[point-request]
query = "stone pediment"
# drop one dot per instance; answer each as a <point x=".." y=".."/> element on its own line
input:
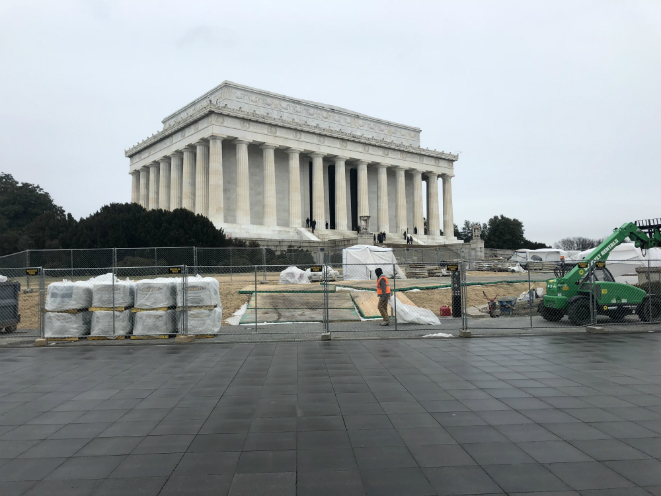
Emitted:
<point x="272" y="105"/>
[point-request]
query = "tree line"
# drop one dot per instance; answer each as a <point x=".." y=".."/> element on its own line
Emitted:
<point x="30" y="219"/>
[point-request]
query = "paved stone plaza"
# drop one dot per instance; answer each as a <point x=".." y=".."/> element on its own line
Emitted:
<point x="563" y="415"/>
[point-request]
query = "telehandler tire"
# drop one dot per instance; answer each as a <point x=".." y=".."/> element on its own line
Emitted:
<point x="578" y="312"/>
<point x="650" y="309"/>
<point x="550" y="314"/>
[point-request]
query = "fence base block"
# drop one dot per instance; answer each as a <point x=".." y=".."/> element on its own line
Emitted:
<point x="184" y="338"/>
<point x="595" y="330"/>
<point x="41" y="342"/>
<point x="465" y="334"/>
<point x="326" y="336"/>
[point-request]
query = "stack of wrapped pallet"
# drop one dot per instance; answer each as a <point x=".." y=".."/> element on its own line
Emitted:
<point x="202" y="298"/>
<point x="67" y="305"/>
<point x="112" y="300"/>
<point x="154" y="307"/>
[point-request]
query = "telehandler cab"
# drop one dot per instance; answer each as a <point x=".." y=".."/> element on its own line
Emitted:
<point x="589" y="289"/>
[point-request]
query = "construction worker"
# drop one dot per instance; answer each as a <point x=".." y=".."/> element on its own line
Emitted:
<point x="383" y="292"/>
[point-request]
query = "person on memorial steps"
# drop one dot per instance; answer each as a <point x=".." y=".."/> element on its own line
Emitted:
<point x="383" y="292"/>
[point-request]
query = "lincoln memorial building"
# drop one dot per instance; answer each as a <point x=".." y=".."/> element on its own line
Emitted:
<point x="259" y="164"/>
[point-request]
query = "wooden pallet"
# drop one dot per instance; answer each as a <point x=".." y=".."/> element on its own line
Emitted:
<point x="155" y="336"/>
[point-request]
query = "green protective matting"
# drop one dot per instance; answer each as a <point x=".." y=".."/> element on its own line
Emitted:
<point x="299" y="301"/>
<point x="287" y="307"/>
<point x="443" y="286"/>
<point x="273" y="288"/>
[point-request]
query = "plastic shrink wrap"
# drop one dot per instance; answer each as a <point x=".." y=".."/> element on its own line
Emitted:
<point x="155" y="293"/>
<point x="294" y="275"/>
<point x="103" y="288"/>
<point x="202" y="321"/>
<point x="154" y="323"/>
<point x="102" y="323"/>
<point x="201" y="292"/>
<point x="67" y="295"/>
<point x="409" y="314"/>
<point x="66" y="325"/>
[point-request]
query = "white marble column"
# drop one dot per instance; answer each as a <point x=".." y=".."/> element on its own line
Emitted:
<point x="295" y="216"/>
<point x="401" y="200"/>
<point x="418" y="214"/>
<point x="135" y="187"/>
<point x="270" y="212"/>
<point x="448" y="215"/>
<point x="216" y="205"/>
<point x="154" y="173"/>
<point x="318" y="198"/>
<point x="433" y="219"/>
<point x="242" y="183"/>
<point x="176" y="179"/>
<point x="202" y="178"/>
<point x="340" y="194"/>
<point x="144" y="187"/>
<point x="363" y="192"/>
<point x="164" y="184"/>
<point x="188" y="180"/>
<point x="382" y="198"/>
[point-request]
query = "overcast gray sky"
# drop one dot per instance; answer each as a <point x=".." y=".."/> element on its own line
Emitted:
<point x="555" y="105"/>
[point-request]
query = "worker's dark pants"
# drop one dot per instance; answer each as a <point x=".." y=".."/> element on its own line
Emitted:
<point x="383" y="307"/>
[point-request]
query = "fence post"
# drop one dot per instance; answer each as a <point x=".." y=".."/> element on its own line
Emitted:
<point x="42" y="302"/>
<point x="71" y="251"/>
<point x="465" y="332"/>
<point x="231" y="266"/>
<point x="194" y="258"/>
<point x="593" y="303"/>
<point x="264" y="262"/>
<point x="155" y="261"/>
<point x="255" y="297"/>
<point x="113" y="301"/>
<point x="649" y="289"/>
<point x="530" y="301"/>
<point x="114" y="258"/>
<point x="325" y="335"/>
<point x="394" y="290"/>
<point x="184" y="313"/>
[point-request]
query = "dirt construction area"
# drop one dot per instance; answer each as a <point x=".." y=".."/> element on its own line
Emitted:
<point x="233" y="293"/>
<point x="433" y="299"/>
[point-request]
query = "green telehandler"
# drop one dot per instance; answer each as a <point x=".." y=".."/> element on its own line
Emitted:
<point x="589" y="289"/>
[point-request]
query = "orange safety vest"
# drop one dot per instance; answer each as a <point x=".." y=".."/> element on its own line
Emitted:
<point x="378" y="286"/>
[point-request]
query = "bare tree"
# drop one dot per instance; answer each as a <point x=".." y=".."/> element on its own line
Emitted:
<point x="577" y="243"/>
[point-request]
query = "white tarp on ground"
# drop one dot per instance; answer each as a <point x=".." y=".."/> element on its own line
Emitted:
<point x="67" y="295"/>
<point x="155" y="293"/>
<point x="409" y="314"/>
<point x="66" y="325"/>
<point x="624" y="259"/>
<point x="202" y="321"/>
<point x="360" y="261"/>
<point x="154" y="323"/>
<point x="102" y="323"/>
<point x="294" y="275"/>
<point x="202" y="292"/>
<point x="103" y="288"/>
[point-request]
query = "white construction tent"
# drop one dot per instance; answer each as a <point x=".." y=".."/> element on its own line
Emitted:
<point x="360" y="261"/>
<point x="624" y="259"/>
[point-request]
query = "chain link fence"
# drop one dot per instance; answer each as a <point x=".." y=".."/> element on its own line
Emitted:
<point x="224" y="257"/>
<point x="257" y="299"/>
